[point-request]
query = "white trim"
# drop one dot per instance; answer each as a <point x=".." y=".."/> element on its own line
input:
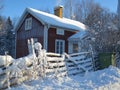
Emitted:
<point x="60" y="31"/>
<point x="59" y="40"/>
<point x="45" y="45"/>
<point x="70" y="47"/>
<point x="28" y="23"/>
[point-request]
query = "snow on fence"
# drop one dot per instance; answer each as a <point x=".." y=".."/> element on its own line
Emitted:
<point x="61" y="65"/>
<point x="15" y="71"/>
<point x="56" y="65"/>
<point x="79" y="63"/>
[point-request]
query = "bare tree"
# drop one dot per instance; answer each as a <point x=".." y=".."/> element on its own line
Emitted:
<point x="69" y="6"/>
<point x="104" y="25"/>
<point x="78" y="9"/>
<point x="83" y="8"/>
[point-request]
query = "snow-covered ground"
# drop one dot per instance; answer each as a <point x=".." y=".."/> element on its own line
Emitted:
<point x="107" y="79"/>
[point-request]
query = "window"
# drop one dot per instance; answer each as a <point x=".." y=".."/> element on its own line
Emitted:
<point x="28" y="24"/>
<point x="60" y="31"/>
<point x="75" y="47"/>
<point x="59" y="46"/>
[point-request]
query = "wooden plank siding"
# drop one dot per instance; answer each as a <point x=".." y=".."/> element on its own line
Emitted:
<point x="52" y="36"/>
<point x="23" y="35"/>
<point x="37" y="31"/>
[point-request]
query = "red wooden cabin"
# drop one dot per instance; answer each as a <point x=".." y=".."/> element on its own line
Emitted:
<point x="52" y="31"/>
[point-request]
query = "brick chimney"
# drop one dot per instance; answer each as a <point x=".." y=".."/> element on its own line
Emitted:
<point x="58" y="11"/>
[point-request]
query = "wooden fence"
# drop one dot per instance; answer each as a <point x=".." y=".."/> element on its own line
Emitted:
<point x="79" y="63"/>
<point x="53" y="65"/>
<point x="73" y="64"/>
<point x="43" y="65"/>
<point x="56" y="65"/>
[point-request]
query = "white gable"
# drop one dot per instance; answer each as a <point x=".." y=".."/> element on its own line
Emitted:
<point x="53" y="20"/>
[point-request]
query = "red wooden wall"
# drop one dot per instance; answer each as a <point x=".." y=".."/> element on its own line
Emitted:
<point x="23" y="35"/>
<point x="53" y="36"/>
<point x="37" y="31"/>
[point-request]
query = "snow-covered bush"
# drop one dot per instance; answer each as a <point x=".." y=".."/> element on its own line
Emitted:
<point x="5" y="60"/>
<point x="26" y="61"/>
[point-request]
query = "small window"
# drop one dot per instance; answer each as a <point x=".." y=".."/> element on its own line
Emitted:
<point x="60" y="31"/>
<point x="75" y="48"/>
<point x="28" y="24"/>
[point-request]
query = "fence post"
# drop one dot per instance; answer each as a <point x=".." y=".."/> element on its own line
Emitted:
<point x="92" y="55"/>
<point x="32" y="46"/>
<point x="66" y="56"/>
<point x="7" y="71"/>
<point x="44" y="63"/>
<point x="6" y="53"/>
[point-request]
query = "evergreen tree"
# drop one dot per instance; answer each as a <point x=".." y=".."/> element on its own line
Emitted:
<point x="9" y="37"/>
<point x="2" y="35"/>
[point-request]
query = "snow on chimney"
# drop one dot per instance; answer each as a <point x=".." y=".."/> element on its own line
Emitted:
<point x="58" y="11"/>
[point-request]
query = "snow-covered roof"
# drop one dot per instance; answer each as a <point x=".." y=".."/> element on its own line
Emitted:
<point x="78" y="36"/>
<point x="52" y="20"/>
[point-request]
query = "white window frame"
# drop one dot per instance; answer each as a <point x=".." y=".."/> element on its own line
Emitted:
<point x="28" y="24"/>
<point x="60" y="31"/>
<point x="63" y="46"/>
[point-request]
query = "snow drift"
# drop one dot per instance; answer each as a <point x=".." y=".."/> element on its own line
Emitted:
<point x="107" y="79"/>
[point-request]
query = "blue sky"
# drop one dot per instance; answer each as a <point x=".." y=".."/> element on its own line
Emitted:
<point x="14" y="8"/>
